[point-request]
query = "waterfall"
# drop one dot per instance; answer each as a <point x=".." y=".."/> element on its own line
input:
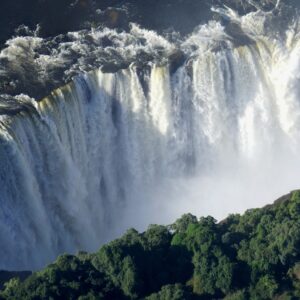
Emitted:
<point x="145" y="144"/>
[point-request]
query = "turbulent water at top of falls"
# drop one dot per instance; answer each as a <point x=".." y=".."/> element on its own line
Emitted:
<point x="108" y="151"/>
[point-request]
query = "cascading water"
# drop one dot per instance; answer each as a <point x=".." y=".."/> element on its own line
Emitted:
<point x="146" y="144"/>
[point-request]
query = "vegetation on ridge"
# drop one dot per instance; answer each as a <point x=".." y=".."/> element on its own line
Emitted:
<point x="253" y="256"/>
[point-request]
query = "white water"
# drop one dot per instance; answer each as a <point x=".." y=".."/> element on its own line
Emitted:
<point x="111" y="151"/>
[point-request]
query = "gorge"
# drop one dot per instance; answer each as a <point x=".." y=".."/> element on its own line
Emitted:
<point x="145" y="127"/>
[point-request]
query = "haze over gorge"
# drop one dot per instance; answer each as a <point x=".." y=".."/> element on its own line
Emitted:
<point x="143" y="126"/>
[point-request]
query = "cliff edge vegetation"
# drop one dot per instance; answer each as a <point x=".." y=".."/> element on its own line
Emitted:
<point x="251" y="256"/>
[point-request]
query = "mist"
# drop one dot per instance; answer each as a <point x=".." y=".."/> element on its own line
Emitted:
<point x="220" y="192"/>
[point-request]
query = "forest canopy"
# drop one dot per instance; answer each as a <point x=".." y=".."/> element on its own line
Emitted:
<point x="253" y="256"/>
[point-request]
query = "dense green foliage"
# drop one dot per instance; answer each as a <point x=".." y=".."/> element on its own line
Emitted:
<point x="253" y="256"/>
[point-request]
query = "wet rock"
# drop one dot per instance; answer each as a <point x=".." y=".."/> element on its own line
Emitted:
<point x="176" y="60"/>
<point x="112" y="67"/>
<point x="239" y="37"/>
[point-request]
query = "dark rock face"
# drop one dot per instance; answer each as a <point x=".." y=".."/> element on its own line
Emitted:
<point x="113" y="67"/>
<point x="176" y="59"/>
<point x="239" y="38"/>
